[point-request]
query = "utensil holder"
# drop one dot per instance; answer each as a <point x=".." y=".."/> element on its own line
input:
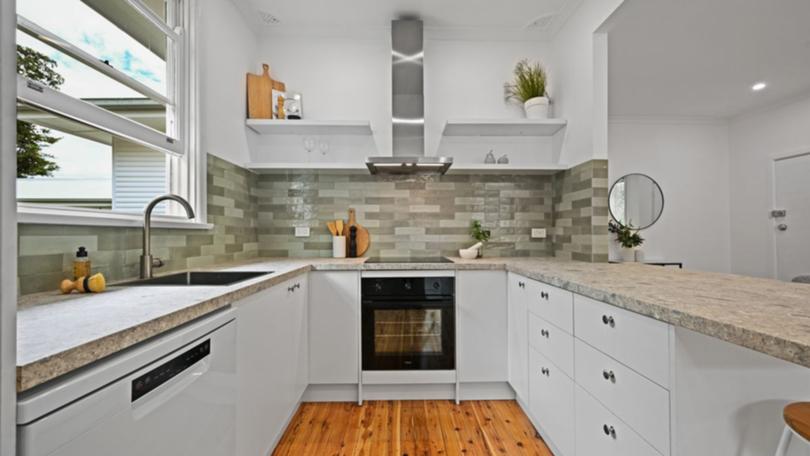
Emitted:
<point x="338" y="246"/>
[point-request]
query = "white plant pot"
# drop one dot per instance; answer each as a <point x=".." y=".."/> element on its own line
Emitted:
<point x="639" y="256"/>
<point x="536" y="108"/>
<point x="628" y="255"/>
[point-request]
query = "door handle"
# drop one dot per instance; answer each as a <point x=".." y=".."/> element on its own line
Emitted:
<point x="782" y="227"/>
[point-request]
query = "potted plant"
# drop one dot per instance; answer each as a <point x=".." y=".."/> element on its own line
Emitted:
<point x="628" y="238"/>
<point x="479" y="234"/>
<point x="529" y="88"/>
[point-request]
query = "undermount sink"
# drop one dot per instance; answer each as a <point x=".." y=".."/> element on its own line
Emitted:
<point x="200" y="278"/>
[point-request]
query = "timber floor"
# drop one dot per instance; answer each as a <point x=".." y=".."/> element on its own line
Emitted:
<point x="412" y="428"/>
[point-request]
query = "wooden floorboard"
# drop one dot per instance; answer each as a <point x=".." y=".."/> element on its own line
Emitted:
<point x="410" y="428"/>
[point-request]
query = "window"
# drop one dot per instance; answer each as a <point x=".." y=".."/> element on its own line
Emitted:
<point x="105" y="108"/>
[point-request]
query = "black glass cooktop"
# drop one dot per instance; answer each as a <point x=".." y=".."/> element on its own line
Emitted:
<point x="408" y="260"/>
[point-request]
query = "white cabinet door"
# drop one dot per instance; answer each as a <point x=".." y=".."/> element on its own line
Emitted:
<point x="639" y="342"/>
<point x="267" y="365"/>
<point x="551" y="395"/>
<point x="301" y="336"/>
<point x="637" y="401"/>
<point x="552" y="304"/>
<point x="334" y="327"/>
<point x="518" y="337"/>
<point x="482" y="343"/>
<point x="599" y="432"/>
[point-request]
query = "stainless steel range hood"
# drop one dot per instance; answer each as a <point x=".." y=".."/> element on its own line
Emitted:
<point x="408" y="106"/>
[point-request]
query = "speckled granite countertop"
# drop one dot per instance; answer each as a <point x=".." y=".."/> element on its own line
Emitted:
<point x="58" y="335"/>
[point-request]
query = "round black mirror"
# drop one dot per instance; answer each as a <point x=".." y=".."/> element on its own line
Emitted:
<point x="636" y="201"/>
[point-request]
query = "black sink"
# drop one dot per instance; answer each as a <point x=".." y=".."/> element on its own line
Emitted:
<point x="201" y="278"/>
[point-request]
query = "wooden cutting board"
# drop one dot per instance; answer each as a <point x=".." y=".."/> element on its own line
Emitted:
<point x="260" y="94"/>
<point x="363" y="240"/>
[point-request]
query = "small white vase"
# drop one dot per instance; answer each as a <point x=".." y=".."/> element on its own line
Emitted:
<point x="639" y="256"/>
<point x="338" y="246"/>
<point x="628" y="255"/>
<point x="536" y="108"/>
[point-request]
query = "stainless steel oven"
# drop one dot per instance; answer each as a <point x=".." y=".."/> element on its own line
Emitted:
<point x="408" y="323"/>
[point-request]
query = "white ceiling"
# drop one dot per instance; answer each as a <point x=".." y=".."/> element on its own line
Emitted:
<point x="448" y="14"/>
<point x="701" y="57"/>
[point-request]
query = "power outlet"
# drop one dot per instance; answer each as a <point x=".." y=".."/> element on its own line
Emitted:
<point x="539" y="233"/>
<point x="301" y="231"/>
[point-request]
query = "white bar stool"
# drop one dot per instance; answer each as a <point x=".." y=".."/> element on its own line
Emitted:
<point x="797" y="421"/>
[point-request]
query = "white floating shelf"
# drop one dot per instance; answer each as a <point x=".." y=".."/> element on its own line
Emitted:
<point x="309" y="127"/>
<point x="359" y="166"/>
<point x="485" y="168"/>
<point x="275" y="168"/>
<point x="503" y="127"/>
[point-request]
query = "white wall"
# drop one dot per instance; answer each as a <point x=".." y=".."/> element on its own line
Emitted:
<point x="690" y="161"/>
<point x="349" y="77"/>
<point x="227" y="51"/>
<point x="755" y="140"/>
<point x="579" y="88"/>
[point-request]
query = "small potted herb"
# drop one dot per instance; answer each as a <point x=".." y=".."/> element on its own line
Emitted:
<point x="628" y="238"/>
<point x="481" y="235"/>
<point x="529" y="88"/>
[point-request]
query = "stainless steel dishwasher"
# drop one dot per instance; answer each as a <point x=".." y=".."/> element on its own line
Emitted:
<point x="173" y="395"/>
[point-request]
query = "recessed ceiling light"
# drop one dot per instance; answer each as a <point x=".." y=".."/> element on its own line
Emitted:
<point x="758" y="86"/>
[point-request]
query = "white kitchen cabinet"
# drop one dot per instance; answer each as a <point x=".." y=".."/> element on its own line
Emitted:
<point x="551" y="397"/>
<point x="552" y="304"/>
<point x="634" y="399"/>
<point x="518" y="336"/>
<point x="599" y="432"/>
<point x="271" y="358"/>
<point x="334" y="327"/>
<point x="482" y="323"/>
<point x="639" y="342"/>
<point x="553" y="343"/>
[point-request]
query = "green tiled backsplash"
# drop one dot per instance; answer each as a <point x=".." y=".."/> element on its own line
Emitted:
<point x="405" y="215"/>
<point x="46" y="252"/>
<point x="256" y="215"/>
<point x="581" y="212"/>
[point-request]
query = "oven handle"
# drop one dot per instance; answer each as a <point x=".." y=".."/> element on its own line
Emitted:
<point x="407" y="304"/>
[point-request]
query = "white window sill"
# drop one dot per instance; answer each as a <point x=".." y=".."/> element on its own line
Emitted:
<point x="55" y="215"/>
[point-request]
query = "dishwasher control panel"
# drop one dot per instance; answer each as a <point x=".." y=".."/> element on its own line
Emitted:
<point x="166" y="371"/>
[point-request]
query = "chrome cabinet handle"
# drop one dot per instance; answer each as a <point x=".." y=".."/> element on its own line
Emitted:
<point x="608" y="320"/>
<point x="545" y="371"/>
<point x="544" y="333"/>
<point x="294" y="287"/>
<point x="544" y="295"/>
<point x="609" y="375"/>
<point x="522" y="284"/>
<point x="609" y="431"/>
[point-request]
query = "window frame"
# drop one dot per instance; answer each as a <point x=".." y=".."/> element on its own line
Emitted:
<point x="187" y="165"/>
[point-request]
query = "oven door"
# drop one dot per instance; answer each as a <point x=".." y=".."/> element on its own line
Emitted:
<point x="409" y="334"/>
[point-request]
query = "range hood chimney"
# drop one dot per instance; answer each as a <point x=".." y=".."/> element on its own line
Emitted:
<point x="408" y="106"/>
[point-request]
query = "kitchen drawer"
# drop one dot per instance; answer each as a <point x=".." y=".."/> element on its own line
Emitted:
<point x="601" y="433"/>
<point x="553" y="343"/>
<point x="551" y="399"/>
<point x="639" y="342"/>
<point x="551" y="303"/>
<point x="636" y="400"/>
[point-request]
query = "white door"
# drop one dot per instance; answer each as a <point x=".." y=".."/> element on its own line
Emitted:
<point x="792" y="194"/>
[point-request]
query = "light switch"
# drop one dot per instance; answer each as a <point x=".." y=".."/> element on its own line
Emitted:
<point x="539" y="233"/>
<point x="301" y="231"/>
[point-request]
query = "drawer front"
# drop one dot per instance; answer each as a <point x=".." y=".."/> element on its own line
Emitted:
<point x="639" y="342"/>
<point x="600" y="432"/>
<point x="551" y="399"/>
<point x="634" y="399"/>
<point x="553" y="343"/>
<point x="551" y="303"/>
